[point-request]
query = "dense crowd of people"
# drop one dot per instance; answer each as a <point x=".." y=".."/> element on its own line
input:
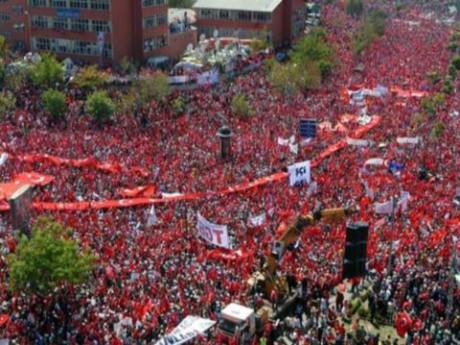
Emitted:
<point x="148" y="278"/>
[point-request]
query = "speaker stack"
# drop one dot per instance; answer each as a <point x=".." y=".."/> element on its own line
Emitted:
<point x="354" y="260"/>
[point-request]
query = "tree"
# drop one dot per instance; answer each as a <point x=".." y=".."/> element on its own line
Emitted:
<point x="240" y="106"/>
<point x="4" y="50"/>
<point x="54" y="103"/>
<point x="448" y="85"/>
<point x="47" y="73"/>
<point x="438" y="130"/>
<point x="127" y="67"/>
<point x="90" y="78"/>
<point x="155" y="87"/>
<point x="456" y="62"/>
<point x="178" y="105"/>
<point x="372" y="28"/>
<point x="283" y="79"/>
<point x="49" y="259"/>
<point x="181" y="3"/>
<point x="7" y="103"/>
<point x="100" y="106"/>
<point x="354" y="8"/>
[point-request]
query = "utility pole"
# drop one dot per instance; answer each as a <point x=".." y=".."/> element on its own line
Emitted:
<point x="393" y="215"/>
<point x="453" y="263"/>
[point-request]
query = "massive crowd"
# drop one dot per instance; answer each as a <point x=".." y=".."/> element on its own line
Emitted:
<point x="148" y="278"/>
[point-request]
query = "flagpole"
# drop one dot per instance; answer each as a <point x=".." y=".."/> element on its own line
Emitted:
<point x="390" y="264"/>
<point x="453" y="260"/>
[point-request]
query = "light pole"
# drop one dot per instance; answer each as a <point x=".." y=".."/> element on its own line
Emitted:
<point x="225" y="134"/>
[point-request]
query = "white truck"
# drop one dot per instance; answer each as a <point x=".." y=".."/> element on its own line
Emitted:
<point x="237" y="322"/>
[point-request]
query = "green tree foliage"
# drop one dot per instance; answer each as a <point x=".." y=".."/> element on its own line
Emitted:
<point x="49" y="259"/>
<point x="354" y="8"/>
<point x="54" y="103"/>
<point x="127" y="67"/>
<point x="178" y="105"/>
<point x="181" y="3"/>
<point x="100" y="106"/>
<point x="314" y="48"/>
<point x="288" y="79"/>
<point x="438" y="130"/>
<point x="90" y="78"/>
<point x="448" y="85"/>
<point x="372" y="28"/>
<point x="7" y="103"/>
<point x="155" y="87"/>
<point x="456" y="62"/>
<point x="240" y="106"/>
<point x="4" y="50"/>
<point x="47" y="73"/>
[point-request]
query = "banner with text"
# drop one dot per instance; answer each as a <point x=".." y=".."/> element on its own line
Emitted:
<point x="213" y="233"/>
<point x="299" y="173"/>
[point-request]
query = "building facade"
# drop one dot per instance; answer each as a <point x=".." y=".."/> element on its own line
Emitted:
<point x="14" y="24"/>
<point x="89" y="30"/>
<point x="280" y="21"/>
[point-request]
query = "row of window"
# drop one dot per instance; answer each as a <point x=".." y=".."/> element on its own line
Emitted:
<point x="240" y="33"/>
<point x="80" y="25"/>
<point x="247" y="16"/>
<point x="4" y="17"/>
<point x="155" y="20"/>
<point x="147" y="3"/>
<point x="154" y="43"/>
<point x="64" y="46"/>
<point x="91" y="4"/>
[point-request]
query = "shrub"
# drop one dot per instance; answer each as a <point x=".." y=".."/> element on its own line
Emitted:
<point x="456" y="62"/>
<point x="240" y="106"/>
<point x="54" y="103"/>
<point x="7" y="103"/>
<point x="47" y="73"/>
<point x="437" y="130"/>
<point x="100" y="106"/>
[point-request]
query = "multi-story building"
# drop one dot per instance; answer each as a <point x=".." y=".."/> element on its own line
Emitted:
<point x="281" y="21"/>
<point x="14" y="24"/>
<point x="91" y="30"/>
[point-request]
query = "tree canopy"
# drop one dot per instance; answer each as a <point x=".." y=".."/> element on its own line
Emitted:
<point x="100" y="106"/>
<point x="47" y="73"/>
<point x="49" y="259"/>
<point x="54" y="103"/>
<point x="89" y="78"/>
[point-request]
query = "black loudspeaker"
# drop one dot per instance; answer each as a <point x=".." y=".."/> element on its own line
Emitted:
<point x="355" y="251"/>
<point x="357" y="232"/>
<point x="354" y="260"/>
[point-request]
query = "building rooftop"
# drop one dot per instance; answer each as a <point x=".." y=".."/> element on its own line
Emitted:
<point x="239" y="5"/>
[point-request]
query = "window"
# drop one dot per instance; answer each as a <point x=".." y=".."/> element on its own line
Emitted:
<point x="154" y="43"/>
<point x="262" y="17"/>
<point x="244" y="15"/>
<point x="70" y="46"/>
<point x="100" y="4"/>
<point x="147" y="3"/>
<point x="17" y="9"/>
<point x="224" y="14"/>
<point x="60" y="23"/>
<point x="38" y="3"/>
<point x="100" y="26"/>
<point x="4" y="17"/>
<point x="154" y="21"/>
<point x="58" y="3"/>
<point x="40" y="22"/>
<point x="81" y="25"/>
<point x="78" y="3"/>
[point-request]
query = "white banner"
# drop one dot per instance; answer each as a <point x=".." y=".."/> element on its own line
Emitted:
<point x="212" y="233"/>
<point x="357" y="142"/>
<point x="3" y="158"/>
<point x="188" y="329"/>
<point x="286" y="142"/>
<point x="404" y="201"/>
<point x="375" y="161"/>
<point x="179" y="79"/>
<point x="152" y="216"/>
<point x="408" y="140"/>
<point x="383" y="208"/>
<point x="258" y="220"/>
<point x="299" y="173"/>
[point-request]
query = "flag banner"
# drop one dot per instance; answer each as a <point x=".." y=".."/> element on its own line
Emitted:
<point x="152" y="216"/>
<point x="375" y="161"/>
<point x="3" y="158"/>
<point x="408" y="140"/>
<point x="294" y="148"/>
<point x="357" y="142"/>
<point x="307" y="128"/>
<point x="299" y="173"/>
<point x="404" y="201"/>
<point x="188" y="329"/>
<point x="212" y="233"/>
<point x="383" y="208"/>
<point x="258" y="220"/>
<point x="286" y="142"/>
